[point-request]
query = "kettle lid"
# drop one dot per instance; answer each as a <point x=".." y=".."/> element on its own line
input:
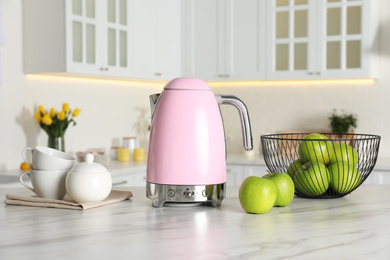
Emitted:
<point x="185" y="83"/>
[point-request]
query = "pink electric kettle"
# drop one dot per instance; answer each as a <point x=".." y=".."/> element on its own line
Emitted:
<point x="187" y="153"/>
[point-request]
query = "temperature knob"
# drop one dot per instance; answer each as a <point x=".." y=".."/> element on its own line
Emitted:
<point x="188" y="193"/>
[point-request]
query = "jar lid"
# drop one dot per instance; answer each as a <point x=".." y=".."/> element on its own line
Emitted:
<point x="89" y="166"/>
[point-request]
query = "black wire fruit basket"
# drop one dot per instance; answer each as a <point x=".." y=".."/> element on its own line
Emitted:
<point x="322" y="165"/>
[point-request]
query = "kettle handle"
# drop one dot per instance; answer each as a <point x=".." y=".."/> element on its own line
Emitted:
<point x="244" y="117"/>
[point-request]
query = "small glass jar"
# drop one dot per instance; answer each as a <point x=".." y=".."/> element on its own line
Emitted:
<point x="114" y="152"/>
<point x="129" y="143"/>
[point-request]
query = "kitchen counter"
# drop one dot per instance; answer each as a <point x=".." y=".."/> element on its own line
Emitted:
<point x="353" y="226"/>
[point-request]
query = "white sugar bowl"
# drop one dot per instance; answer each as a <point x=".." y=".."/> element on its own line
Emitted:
<point x="88" y="181"/>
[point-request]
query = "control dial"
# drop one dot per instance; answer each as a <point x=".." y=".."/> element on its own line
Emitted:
<point x="188" y="193"/>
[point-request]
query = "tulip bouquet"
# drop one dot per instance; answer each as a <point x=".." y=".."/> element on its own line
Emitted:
<point x="55" y="124"/>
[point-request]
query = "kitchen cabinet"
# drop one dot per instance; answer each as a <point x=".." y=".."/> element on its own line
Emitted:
<point x="133" y="179"/>
<point x="223" y="39"/>
<point x="234" y="174"/>
<point x="321" y="39"/>
<point x="378" y="177"/>
<point x="80" y="37"/>
<point x="218" y="40"/>
<point x="237" y="173"/>
<point x="156" y="45"/>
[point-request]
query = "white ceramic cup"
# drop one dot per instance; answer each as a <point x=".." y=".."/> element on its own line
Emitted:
<point x="47" y="184"/>
<point x="48" y="159"/>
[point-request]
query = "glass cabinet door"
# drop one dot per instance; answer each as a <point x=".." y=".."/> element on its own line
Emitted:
<point x="316" y="39"/>
<point x="291" y="39"/>
<point x="82" y="31"/>
<point x="97" y="37"/>
<point x="342" y="34"/>
<point x="116" y="36"/>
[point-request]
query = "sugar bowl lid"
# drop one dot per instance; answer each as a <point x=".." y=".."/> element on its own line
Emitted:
<point x="89" y="166"/>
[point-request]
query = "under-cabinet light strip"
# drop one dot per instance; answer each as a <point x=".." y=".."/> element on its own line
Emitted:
<point x="366" y="81"/>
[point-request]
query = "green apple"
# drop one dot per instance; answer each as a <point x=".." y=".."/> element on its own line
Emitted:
<point x="344" y="177"/>
<point x="319" y="151"/>
<point x="294" y="166"/>
<point x="312" y="179"/>
<point x="344" y="152"/>
<point x="257" y="195"/>
<point x="285" y="187"/>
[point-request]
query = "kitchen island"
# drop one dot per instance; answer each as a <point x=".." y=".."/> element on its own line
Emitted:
<point x="355" y="226"/>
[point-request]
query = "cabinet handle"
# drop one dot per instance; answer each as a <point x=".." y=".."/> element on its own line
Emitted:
<point x="119" y="183"/>
<point x="313" y="73"/>
<point x="157" y="74"/>
<point x="105" y="69"/>
<point x="226" y="75"/>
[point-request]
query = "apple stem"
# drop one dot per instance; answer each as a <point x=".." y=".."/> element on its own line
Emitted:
<point x="269" y="172"/>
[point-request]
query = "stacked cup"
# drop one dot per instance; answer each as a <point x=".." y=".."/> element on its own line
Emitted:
<point x="48" y="171"/>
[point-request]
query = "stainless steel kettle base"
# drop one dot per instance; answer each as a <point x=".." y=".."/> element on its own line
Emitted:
<point x="211" y="195"/>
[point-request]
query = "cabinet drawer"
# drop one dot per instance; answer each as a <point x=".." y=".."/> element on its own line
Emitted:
<point x="137" y="179"/>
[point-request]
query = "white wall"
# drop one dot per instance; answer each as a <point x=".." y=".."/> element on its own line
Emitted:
<point x="112" y="110"/>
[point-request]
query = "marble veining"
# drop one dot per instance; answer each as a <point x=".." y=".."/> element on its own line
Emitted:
<point x="355" y="226"/>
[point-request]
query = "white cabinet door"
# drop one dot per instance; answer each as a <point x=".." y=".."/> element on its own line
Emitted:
<point x="291" y="36"/>
<point x="378" y="177"/>
<point x="139" y="179"/>
<point x="97" y="37"/>
<point x="244" y="47"/>
<point x="254" y="170"/>
<point x="319" y="39"/>
<point x="115" y="32"/>
<point x="135" y="179"/>
<point x="168" y="39"/>
<point x="203" y="39"/>
<point x="83" y="34"/>
<point x="156" y="39"/>
<point x="234" y="174"/>
<point x="80" y="37"/>
<point x="223" y="40"/>
<point x="237" y="173"/>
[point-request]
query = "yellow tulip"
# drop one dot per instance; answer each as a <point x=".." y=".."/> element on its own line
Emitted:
<point x="38" y="117"/>
<point x="46" y="119"/>
<point x="52" y="113"/>
<point x="65" y="107"/>
<point x="42" y="110"/>
<point x="61" y="116"/>
<point x="76" y="112"/>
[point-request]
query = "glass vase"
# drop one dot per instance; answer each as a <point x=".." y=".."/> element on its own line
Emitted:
<point x="57" y="143"/>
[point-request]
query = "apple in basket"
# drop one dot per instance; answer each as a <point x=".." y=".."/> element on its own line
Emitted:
<point x="311" y="150"/>
<point x="344" y="152"/>
<point x="312" y="179"/>
<point x="294" y="166"/>
<point x="344" y="177"/>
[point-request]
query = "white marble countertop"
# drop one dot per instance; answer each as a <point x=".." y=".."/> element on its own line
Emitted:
<point x="355" y="226"/>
